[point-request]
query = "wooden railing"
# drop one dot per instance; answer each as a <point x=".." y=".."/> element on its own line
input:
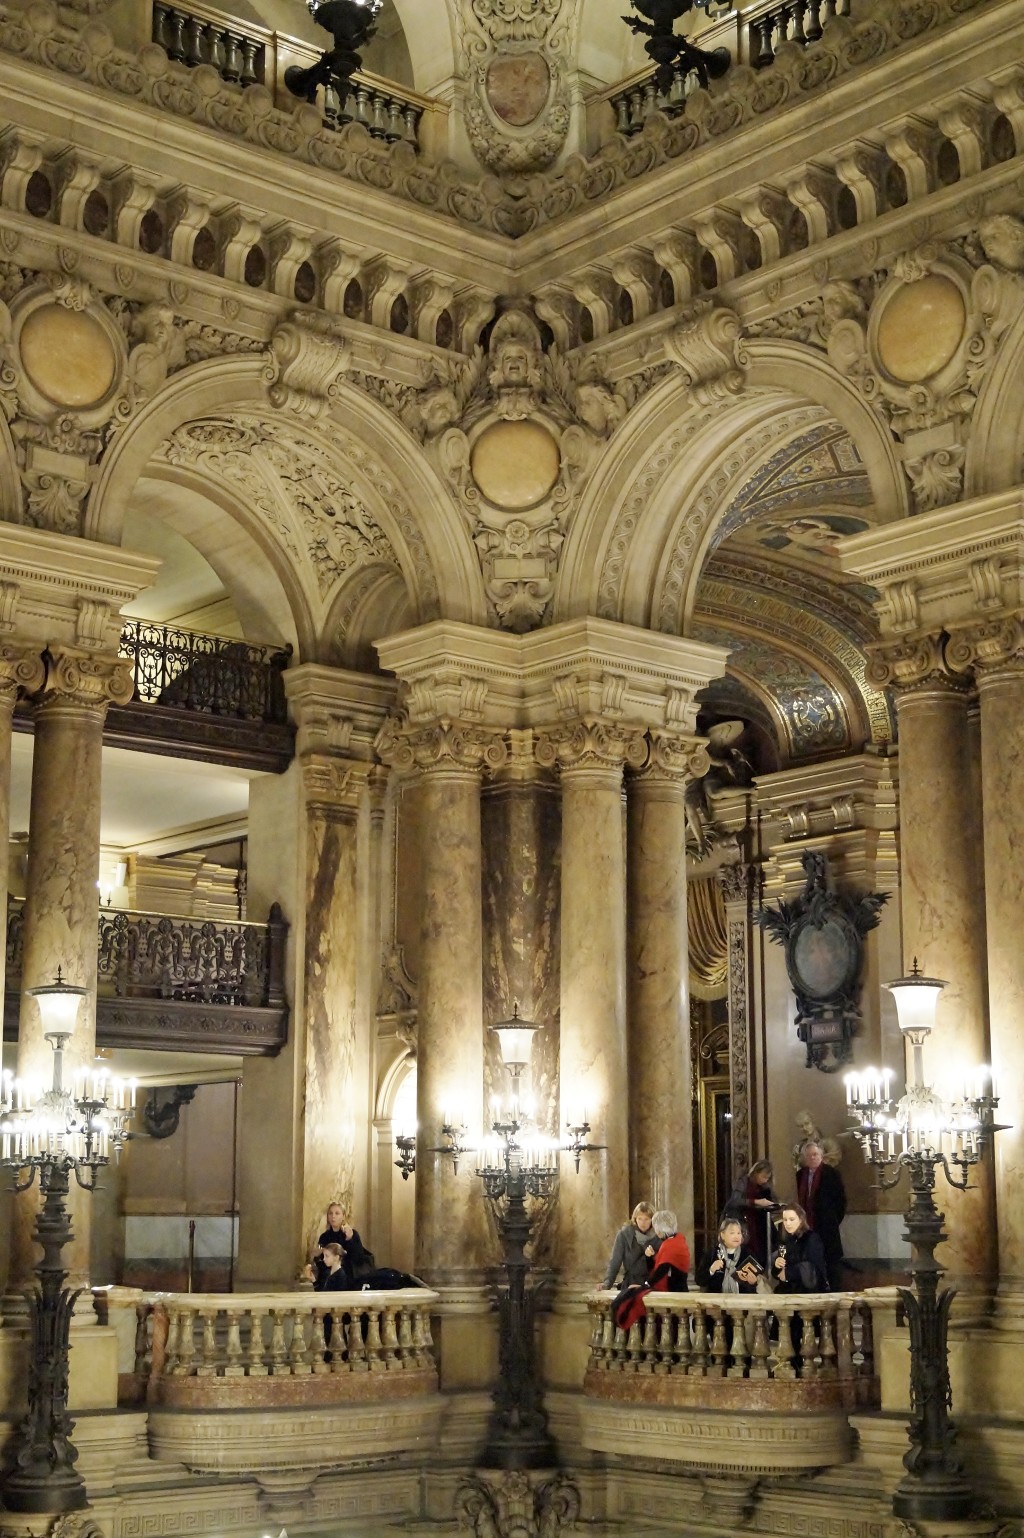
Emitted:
<point x="221" y="1350"/>
<point x="805" y="1351"/>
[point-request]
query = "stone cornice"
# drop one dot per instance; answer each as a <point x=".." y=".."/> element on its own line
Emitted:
<point x="59" y="588"/>
<point x="579" y="668"/>
<point x="337" y="712"/>
<point x="946" y="568"/>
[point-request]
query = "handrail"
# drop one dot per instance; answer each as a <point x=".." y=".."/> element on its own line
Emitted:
<point x="216" y="675"/>
<point x="824" y="1339"/>
<point x="219" y="1348"/>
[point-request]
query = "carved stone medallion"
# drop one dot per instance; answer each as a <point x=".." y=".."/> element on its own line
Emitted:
<point x="921" y="328"/>
<point x="518" y="85"/>
<point x="67" y="355"/>
<point x="515" y="464"/>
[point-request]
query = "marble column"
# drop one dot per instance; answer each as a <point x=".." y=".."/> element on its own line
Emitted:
<point x="62" y="900"/>
<point x="660" y="1101"/>
<point x="592" y="1037"/>
<point x="521" y="886"/>
<point x="336" y="1096"/>
<point x="995" y="650"/>
<point x="942" y="901"/>
<point x="452" y="1244"/>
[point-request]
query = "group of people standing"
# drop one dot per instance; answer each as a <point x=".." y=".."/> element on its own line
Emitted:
<point x="747" y="1255"/>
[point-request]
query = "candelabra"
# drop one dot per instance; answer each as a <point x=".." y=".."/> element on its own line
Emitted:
<point x="351" y="23"/>
<point x="674" y="55"/>
<point x="921" y="1133"/>
<point x="54" y="1132"/>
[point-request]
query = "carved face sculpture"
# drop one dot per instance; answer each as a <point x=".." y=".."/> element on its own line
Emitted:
<point x="513" y="364"/>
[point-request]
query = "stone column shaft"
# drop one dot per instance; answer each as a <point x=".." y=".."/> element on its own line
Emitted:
<point x="660" y="1101"/>
<point x="62" y="900"/>
<point x="942" y="909"/>
<point x="593" y="1057"/>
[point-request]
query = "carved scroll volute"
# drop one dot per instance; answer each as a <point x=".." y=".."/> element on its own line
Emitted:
<point x="306" y="364"/>
<point x="707" y="346"/>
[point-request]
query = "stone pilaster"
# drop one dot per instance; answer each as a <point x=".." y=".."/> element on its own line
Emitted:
<point x="660" y="1104"/>
<point x="591" y="756"/>
<point x="450" y="758"/>
<point x="943" y="901"/>
<point x="994" y="651"/>
<point x="62" y="901"/>
<point x="736" y="882"/>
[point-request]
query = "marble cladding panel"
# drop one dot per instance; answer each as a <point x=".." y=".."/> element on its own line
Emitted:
<point x="330" y="1115"/>
<point x="60" y="929"/>
<point x="1002" y="762"/>
<point x="521" y="837"/>
<point x="942" y="898"/>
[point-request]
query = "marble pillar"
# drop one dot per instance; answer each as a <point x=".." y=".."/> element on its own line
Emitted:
<point x="521" y="887"/>
<point x="452" y="1243"/>
<point x="62" y="899"/>
<point x="660" y="1091"/>
<point x="996" y="652"/>
<point x="593" y="1056"/>
<point x="942" y="900"/>
<point x="336" y="1095"/>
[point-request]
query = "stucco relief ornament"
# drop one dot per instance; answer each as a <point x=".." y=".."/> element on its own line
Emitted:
<point x="513" y="1506"/>
<point x="920" y="355"/>
<point x="517" y="110"/>
<point x="514" y="432"/>
<point x="822" y="933"/>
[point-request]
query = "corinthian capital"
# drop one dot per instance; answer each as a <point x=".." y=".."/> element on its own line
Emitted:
<point x="675" y="756"/>
<point x="988" y="646"/>
<point x="21" y="668"/>
<point x="441" y="745"/>
<point x="592" y="744"/>
<point x="78" y="677"/>
<point x="911" y="666"/>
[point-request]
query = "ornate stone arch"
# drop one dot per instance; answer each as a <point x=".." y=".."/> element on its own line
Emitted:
<point x="373" y="603"/>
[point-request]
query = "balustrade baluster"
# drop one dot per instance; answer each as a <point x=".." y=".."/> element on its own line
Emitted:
<point x="621" y="104"/>
<point x="208" y="1357"/>
<point x="186" y="1345"/>
<point x="662" y="1343"/>
<point x="740" y="1351"/>
<point x="827" y="1344"/>
<point x="392" y="1360"/>
<point x="143" y="1315"/>
<point x="193" y="42"/>
<point x="393" y="128"/>
<point x="411" y="126"/>
<point x="362" y="112"/>
<point x="844" y="1341"/>
<point x="254" y="1364"/>
<point x="719" y="1350"/>
<point x="356" y="1350"/>
<point x="407" y="1346"/>
<point x="781" y="1364"/>
<point x="249" y="76"/>
<point x="634" y="1347"/>
<point x="650" y="101"/>
<point x="277" y="1353"/>
<point x="159" y="33"/>
<point x="176" y="35"/>
<point x="373" y="1343"/>
<point x="761" y="52"/>
<point x="422" y="1338"/>
<point x="171" y="1343"/>
<point x="679" y="1360"/>
<point x="621" y="1339"/>
<point x="234" y="1366"/>
<point x="607" y="1339"/>
<point x="799" y="11"/>
<point x="231" y="72"/>
<point x="318" y="1342"/>
<point x="698" y="1366"/>
<point x="215" y="47"/>
<point x="808" y="1348"/>
<point x="298" y="1356"/>
<point x="759" y="1351"/>
<point x="812" y="22"/>
<point x="867" y="1340"/>
<point x="636" y="110"/>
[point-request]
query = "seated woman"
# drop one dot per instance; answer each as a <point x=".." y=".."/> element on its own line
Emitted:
<point x="355" y="1259"/>
<point x="669" y="1271"/>
<point x="753" y="1201"/>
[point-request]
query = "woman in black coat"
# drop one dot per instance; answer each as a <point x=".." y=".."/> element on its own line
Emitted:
<point x="800" y="1264"/>
<point x="355" y="1259"/>
<point x="728" y="1266"/>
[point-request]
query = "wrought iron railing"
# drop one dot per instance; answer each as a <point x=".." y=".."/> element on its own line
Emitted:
<point x="186" y="670"/>
<point x="152" y="955"/>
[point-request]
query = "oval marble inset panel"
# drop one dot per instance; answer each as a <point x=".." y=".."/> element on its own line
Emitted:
<point x="67" y="355"/>
<point x="515" y="464"/>
<point x="921" y="328"/>
<point x="518" y="86"/>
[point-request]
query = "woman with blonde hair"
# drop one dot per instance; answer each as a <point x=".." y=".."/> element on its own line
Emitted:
<point x="634" y="1249"/>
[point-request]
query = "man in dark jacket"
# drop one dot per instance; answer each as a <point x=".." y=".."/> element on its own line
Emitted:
<point x="822" y="1195"/>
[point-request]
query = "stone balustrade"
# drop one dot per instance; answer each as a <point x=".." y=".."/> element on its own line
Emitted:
<point x="233" y="1351"/>
<point x="809" y="1351"/>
